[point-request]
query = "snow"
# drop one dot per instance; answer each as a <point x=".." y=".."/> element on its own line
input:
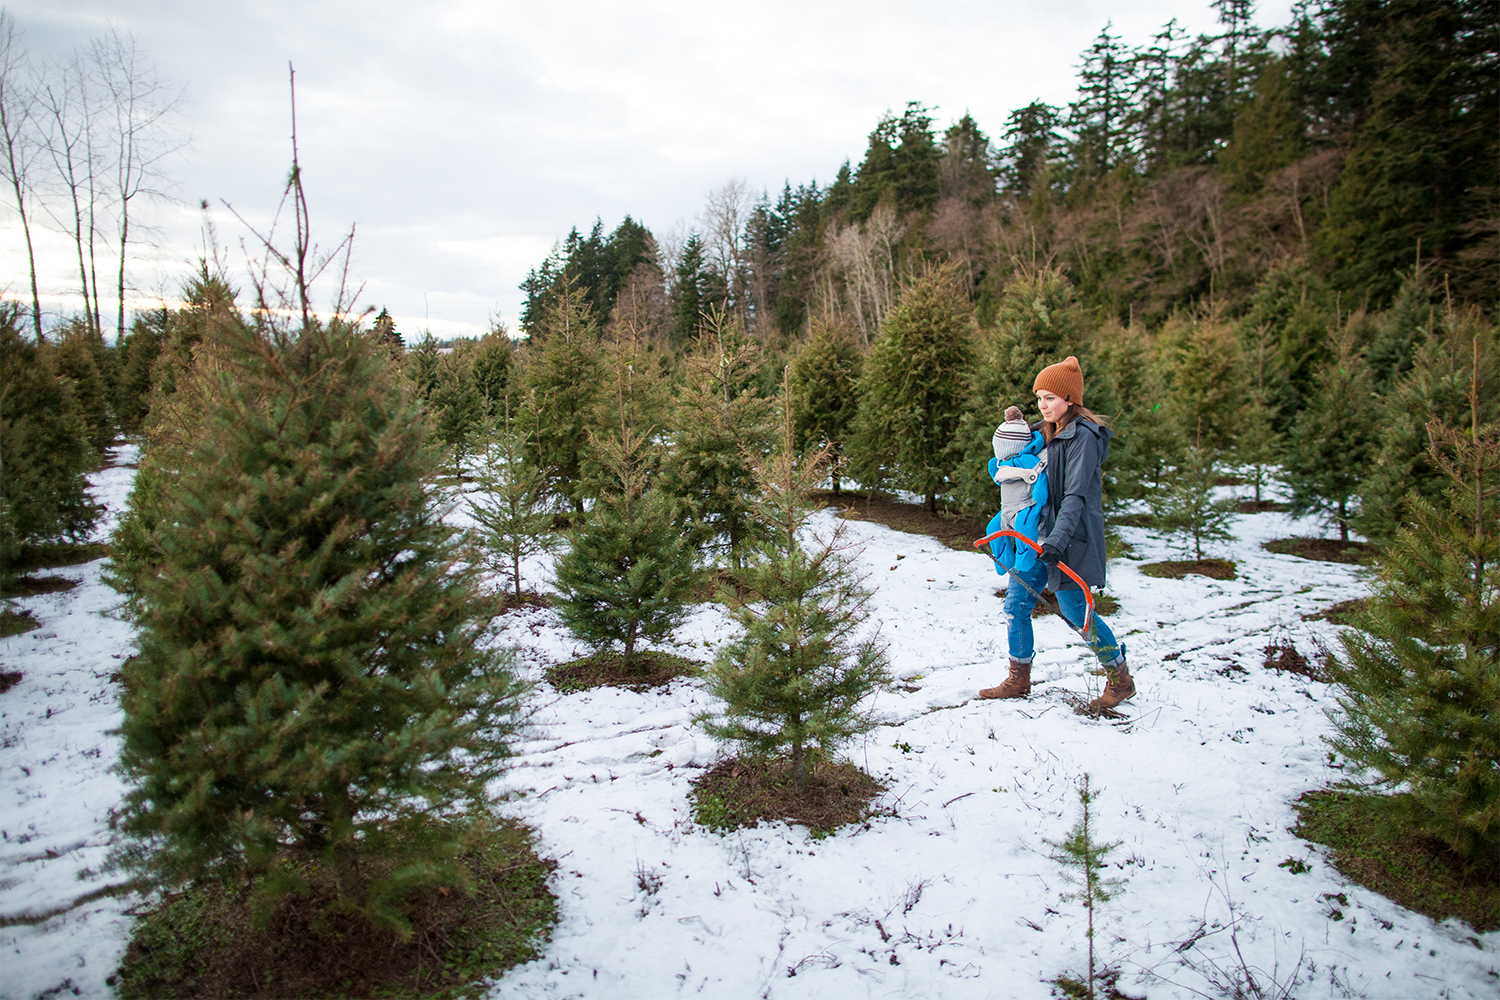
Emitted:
<point x="949" y="893"/>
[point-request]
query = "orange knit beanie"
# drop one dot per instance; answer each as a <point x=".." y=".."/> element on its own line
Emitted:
<point x="1064" y="379"/>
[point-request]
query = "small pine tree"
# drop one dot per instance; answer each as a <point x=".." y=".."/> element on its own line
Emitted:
<point x="629" y="572"/>
<point x="45" y="450"/>
<point x="1333" y="440"/>
<point x="311" y="679"/>
<point x="1258" y="444"/>
<point x="796" y="678"/>
<point x="455" y="405"/>
<point x="1082" y="860"/>
<point x="825" y="392"/>
<point x="1419" y="701"/>
<point x="1185" y="504"/>
<point x="77" y="357"/>
<point x="508" y="506"/>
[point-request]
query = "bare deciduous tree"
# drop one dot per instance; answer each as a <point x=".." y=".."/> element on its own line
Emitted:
<point x="18" y="132"/>
<point x="143" y="131"/>
<point x="69" y="101"/>
<point x="724" y="219"/>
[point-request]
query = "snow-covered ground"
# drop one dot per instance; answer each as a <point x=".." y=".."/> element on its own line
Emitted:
<point x="949" y="895"/>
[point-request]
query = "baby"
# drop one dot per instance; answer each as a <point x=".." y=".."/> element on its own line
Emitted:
<point x="1019" y="469"/>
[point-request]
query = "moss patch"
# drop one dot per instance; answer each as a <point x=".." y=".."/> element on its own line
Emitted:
<point x="30" y="586"/>
<point x="741" y="792"/>
<point x="16" y="622"/>
<point x="33" y="557"/>
<point x="1216" y="569"/>
<point x="1372" y="843"/>
<point x="1323" y="549"/>
<point x="203" y="943"/>
<point x="647" y="669"/>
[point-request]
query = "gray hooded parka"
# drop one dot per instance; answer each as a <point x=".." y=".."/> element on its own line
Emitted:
<point x="1074" y="518"/>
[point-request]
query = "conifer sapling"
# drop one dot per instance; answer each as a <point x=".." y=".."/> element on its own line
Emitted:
<point x="1082" y="859"/>
<point x="798" y="676"/>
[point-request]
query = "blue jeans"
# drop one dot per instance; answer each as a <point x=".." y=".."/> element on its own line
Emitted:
<point x="1018" y="604"/>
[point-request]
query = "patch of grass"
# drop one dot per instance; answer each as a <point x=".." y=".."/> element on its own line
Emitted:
<point x="647" y="669"/>
<point x="16" y="622"/>
<point x="1373" y="843"/>
<point x="957" y="531"/>
<point x="1342" y="613"/>
<point x="1216" y="569"/>
<point x="52" y="554"/>
<point x="1263" y="506"/>
<point x="1283" y="657"/>
<point x="1133" y="520"/>
<point x="203" y="942"/>
<point x="508" y="601"/>
<point x="30" y="586"/>
<point x="741" y="792"/>
<point x="1106" y="987"/>
<point x="1323" y="549"/>
<point x="9" y="679"/>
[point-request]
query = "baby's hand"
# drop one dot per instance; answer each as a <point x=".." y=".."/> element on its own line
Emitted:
<point x="1013" y="413"/>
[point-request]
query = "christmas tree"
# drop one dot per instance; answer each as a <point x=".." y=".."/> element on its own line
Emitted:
<point x="311" y="680"/>
<point x="629" y="572"/>
<point x="508" y="506"/>
<point x="1420" y="685"/>
<point x="796" y="679"/>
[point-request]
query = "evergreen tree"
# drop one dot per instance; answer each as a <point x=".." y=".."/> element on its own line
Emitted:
<point x="1083" y="859"/>
<point x="901" y="164"/>
<point x="1435" y="388"/>
<point x="1206" y="389"/>
<point x="311" y="679"/>
<point x="1032" y="138"/>
<point x="494" y="371"/>
<point x="422" y="363"/>
<point x="965" y="169"/>
<point x="1403" y="328"/>
<point x="1420" y="682"/>
<point x="1333" y="440"/>
<point x="455" y="405"/>
<point x="693" y="289"/>
<point x="824" y="389"/>
<point x="797" y="676"/>
<point x="385" y="331"/>
<point x="720" y="424"/>
<point x="1258" y="445"/>
<point x="137" y="357"/>
<point x="45" y="450"/>
<point x="508" y="506"/>
<point x="76" y="357"/>
<point x="914" y="388"/>
<point x="629" y="572"/>
<point x="559" y="386"/>
<point x="1098" y="117"/>
<point x="1184" y="503"/>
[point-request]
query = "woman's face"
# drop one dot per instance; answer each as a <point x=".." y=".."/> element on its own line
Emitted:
<point x="1053" y="408"/>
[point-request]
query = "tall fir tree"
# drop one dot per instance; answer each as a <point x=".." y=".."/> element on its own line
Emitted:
<point x="559" y="390"/>
<point x="796" y="679"/>
<point x="1419" y="683"/>
<point x="915" y="384"/>
<point x="721" y="424"/>
<point x="45" y="446"/>
<point x="1333" y="440"/>
<point x="312" y="679"/>
<point x="824" y="393"/>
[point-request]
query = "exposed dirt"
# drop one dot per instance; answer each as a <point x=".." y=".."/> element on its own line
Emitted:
<point x="30" y="586"/>
<point x="9" y="679"/>
<point x="647" y="669"/>
<point x="1283" y="657"/>
<point x="1323" y="549"/>
<point x="1342" y="613"/>
<point x="744" y="791"/>
<point x="1215" y="569"/>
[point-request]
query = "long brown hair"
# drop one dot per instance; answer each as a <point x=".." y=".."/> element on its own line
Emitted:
<point x="1075" y="410"/>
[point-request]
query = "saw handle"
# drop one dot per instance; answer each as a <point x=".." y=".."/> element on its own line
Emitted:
<point x="1088" y="595"/>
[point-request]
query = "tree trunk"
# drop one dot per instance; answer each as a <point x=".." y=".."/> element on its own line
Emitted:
<point x="799" y="766"/>
<point x="931" y="501"/>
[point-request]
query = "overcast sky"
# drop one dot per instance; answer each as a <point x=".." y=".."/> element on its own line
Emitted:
<point x="464" y="138"/>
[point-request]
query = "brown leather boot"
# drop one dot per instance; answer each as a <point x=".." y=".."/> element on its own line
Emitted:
<point x="1017" y="685"/>
<point x="1119" y="688"/>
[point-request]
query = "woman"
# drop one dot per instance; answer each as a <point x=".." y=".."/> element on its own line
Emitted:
<point x="1071" y="531"/>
